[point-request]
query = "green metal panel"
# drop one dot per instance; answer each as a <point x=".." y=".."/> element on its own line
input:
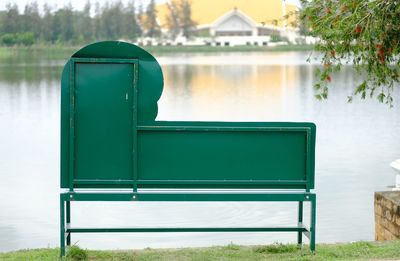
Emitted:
<point x="249" y="156"/>
<point x="169" y="154"/>
<point x="150" y="81"/>
<point x="103" y="121"/>
<point x="148" y="86"/>
<point x="239" y="129"/>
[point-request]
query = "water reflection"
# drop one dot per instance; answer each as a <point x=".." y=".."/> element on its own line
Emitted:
<point x="32" y="73"/>
<point x="354" y="146"/>
<point x="223" y="92"/>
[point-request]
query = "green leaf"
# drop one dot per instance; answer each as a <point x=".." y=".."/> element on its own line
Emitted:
<point x="360" y="88"/>
<point x="381" y="97"/>
<point x="349" y="99"/>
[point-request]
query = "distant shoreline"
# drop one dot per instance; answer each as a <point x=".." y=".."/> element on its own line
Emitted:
<point x="63" y="51"/>
<point x="217" y="49"/>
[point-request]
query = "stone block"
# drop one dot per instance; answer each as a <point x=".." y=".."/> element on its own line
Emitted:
<point x="378" y="210"/>
<point x="387" y="215"/>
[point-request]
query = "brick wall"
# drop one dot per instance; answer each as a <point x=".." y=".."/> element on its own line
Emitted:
<point x="387" y="215"/>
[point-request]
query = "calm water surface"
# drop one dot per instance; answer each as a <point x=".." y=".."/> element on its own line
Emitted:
<point x="355" y="144"/>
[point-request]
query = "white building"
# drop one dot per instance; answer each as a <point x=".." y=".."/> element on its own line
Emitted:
<point x="238" y="22"/>
<point x="236" y="28"/>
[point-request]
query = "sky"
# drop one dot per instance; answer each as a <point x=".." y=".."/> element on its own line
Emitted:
<point x="78" y="4"/>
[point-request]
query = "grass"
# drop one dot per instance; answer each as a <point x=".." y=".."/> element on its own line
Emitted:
<point x="348" y="251"/>
<point x="45" y="52"/>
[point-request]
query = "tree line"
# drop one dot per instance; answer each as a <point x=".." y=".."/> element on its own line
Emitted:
<point x="109" y="21"/>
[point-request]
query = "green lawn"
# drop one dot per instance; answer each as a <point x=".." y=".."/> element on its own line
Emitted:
<point x="349" y="251"/>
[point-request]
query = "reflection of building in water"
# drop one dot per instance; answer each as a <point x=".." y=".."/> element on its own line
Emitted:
<point x="228" y="92"/>
<point x="238" y="22"/>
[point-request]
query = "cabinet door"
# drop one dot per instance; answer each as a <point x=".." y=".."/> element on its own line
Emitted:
<point x="103" y="122"/>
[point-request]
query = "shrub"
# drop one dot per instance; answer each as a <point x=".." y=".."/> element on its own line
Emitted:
<point x="9" y="39"/>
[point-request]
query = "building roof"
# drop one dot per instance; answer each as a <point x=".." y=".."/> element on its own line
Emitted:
<point x="206" y="12"/>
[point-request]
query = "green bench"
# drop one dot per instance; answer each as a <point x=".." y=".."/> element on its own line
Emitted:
<point x="113" y="149"/>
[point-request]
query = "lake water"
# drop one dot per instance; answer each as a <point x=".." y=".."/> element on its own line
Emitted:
<point x="355" y="144"/>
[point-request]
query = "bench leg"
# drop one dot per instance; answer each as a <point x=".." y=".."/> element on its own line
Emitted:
<point x="68" y="212"/>
<point x="62" y="227"/>
<point x="312" y="223"/>
<point x="300" y="221"/>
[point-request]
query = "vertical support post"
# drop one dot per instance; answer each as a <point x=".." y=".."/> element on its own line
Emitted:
<point x="71" y="125"/>
<point x="300" y="223"/>
<point x="68" y="212"/>
<point x="62" y="227"/>
<point x="313" y="221"/>
<point x="134" y="125"/>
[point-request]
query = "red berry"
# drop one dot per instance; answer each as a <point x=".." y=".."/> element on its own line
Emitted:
<point x="358" y="29"/>
<point x="381" y="56"/>
<point x="328" y="78"/>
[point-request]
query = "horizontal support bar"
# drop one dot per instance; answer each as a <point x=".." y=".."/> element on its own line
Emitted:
<point x="141" y="196"/>
<point x="300" y="184"/>
<point x="222" y="182"/>
<point x="214" y="128"/>
<point x="102" y="181"/>
<point x="195" y="229"/>
<point x="103" y="60"/>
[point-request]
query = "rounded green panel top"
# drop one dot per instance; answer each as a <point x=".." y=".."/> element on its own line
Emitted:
<point x="150" y="79"/>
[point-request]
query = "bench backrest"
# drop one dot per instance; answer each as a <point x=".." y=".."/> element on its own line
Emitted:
<point x="110" y="138"/>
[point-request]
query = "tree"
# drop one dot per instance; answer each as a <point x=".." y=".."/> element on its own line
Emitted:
<point x="11" y="21"/>
<point x="179" y="18"/>
<point x="112" y="20"/>
<point x="32" y="20"/>
<point x="47" y="21"/>
<point x="172" y="19"/>
<point x="66" y="18"/>
<point x="132" y="27"/>
<point x="151" y="25"/>
<point x="97" y="28"/>
<point x="140" y="13"/>
<point x="364" y="33"/>
<point x="56" y="26"/>
<point x="2" y="18"/>
<point x="86" y="26"/>
<point x="187" y="24"/>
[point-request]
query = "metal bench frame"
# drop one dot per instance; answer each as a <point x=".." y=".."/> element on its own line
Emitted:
<point x="66" y="198"/>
